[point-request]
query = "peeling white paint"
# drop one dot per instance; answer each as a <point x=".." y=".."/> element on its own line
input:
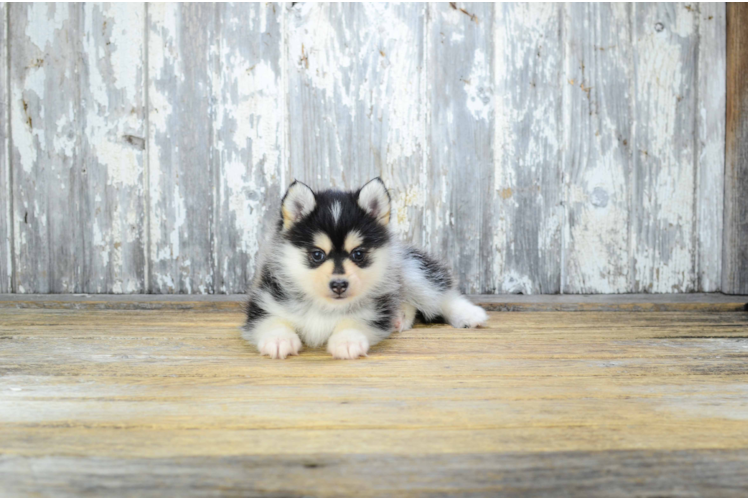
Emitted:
<point x="527" y="68"/>
<point x="124" y="57"/>
<point x="595" y="158"/>
<point x="44" y="20"/>
<point x="513" y="282"/>
<point x="365" y="80"/>
<point x="26" y="100"/>
<point x="6" y="212"/>
<point x="664" y="158"/>
<point x="170" y="251"/>
<point x="479" y="88"/>
<point x="413" y="198"/>
<point x="317" y="52"/>
<point x="248" y="140"/>
<point x="255" y="113"/>
<point x="711" y="132"/>
<point x="397" y="82"/>
<point x="101" y="245"/>
<point x="126" y="43"/>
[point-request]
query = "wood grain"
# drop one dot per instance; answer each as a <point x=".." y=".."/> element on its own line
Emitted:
<point x="112" y="94"/>
<point x="148" y="402"/>
<point x="248" y="126"/>
<point x="597" y="157"/>
<point x="735" y="250"/>
<point x="77" y="135"/>
<point x="701" y="302"/>
<point x="182" y="178"/>
<point x="461" y="131"/>
<point x="710" y="146"/>
<point x="46" y="154"/>
<point x="6" y="204"/>
<point x="527" y="167"/>
<point x="712" y="473"/>
<point x="662" y="206"/>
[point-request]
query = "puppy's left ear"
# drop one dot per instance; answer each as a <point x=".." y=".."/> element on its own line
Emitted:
<point x="375" y="200"/>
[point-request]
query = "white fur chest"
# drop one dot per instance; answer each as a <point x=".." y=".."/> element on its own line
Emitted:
<point x="315" y="325"/>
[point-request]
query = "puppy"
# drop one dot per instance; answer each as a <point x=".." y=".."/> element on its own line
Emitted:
<point x="333" y="273"/>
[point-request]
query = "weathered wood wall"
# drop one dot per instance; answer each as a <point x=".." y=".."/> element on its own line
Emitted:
<point x="538" y="148"/>
<point x="6" y="207"/>
<point x="735" y="248"/>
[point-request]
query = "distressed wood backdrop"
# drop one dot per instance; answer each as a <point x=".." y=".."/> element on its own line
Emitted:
<point x="538" y="148"/>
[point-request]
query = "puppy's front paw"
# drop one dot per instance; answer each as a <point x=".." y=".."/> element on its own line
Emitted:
<point x="348" y="344"/>
<point x="468" y="316"/>
<point x="279" y="343"/>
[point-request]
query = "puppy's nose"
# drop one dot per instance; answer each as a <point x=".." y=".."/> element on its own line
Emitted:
<point x="339" y="286"/>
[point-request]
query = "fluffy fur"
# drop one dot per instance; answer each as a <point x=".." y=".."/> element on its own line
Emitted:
<point x="332" y="273"/>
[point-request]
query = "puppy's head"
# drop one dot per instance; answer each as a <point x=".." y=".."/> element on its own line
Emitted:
<point x="336" y="244"/>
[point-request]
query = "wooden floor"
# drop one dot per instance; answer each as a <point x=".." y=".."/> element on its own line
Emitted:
<point x="174" y="402"/>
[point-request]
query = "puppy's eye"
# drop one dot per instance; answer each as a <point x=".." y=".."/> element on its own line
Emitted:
<point x="358" y="255"/>
<point x="317" y="256"/>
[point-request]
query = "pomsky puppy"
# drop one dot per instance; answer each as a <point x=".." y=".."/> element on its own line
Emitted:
<point x="333" y="273"/>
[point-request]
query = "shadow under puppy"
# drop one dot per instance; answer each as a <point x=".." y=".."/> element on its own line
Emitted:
<point x="333" y="273"/>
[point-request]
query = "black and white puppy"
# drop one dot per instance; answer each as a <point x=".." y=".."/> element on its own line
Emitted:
<point x="333" y="273"/>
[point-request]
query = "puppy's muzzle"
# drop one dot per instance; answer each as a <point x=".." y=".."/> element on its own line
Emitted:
<point x="339" y="286"/>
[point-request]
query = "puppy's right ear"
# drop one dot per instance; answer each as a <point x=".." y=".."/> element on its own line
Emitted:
<point x="298" y="202"/>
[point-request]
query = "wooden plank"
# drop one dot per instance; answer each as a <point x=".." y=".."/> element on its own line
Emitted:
<point x="113" y="134"/>
<point x="735" y="249"/>
<point x="686" y="348"/>
<point x="142" y="403"/>
<point x="597" y="152"/>
<point x="356" y="84"/>
<point x="182" y="55"/>
<point x="662" y="207"/>
<point x="568" y="474"/>
<point x="130" y="301"/>
<point x="248" y="92"/>
<point x="710" y="146"/>
<point x="6" y="205"/>
<point x="325" y="115"/>
<point x="713" y="302"/>
<point x="399" y="108"/>
<point x="528" y="66"/>
<point x="46" y="147"/>
<point x="77" y="136"/>
<point x="110" y="318"/>
<point x="460" y="180"/>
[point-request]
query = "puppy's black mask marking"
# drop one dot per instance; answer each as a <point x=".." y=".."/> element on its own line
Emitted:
<point x="351" y="218"/>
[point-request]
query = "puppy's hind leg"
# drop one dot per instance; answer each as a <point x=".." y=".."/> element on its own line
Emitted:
<point x="459" y="312"/>
<point x="428" y="285"/>
<point x="405" y="317"/>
